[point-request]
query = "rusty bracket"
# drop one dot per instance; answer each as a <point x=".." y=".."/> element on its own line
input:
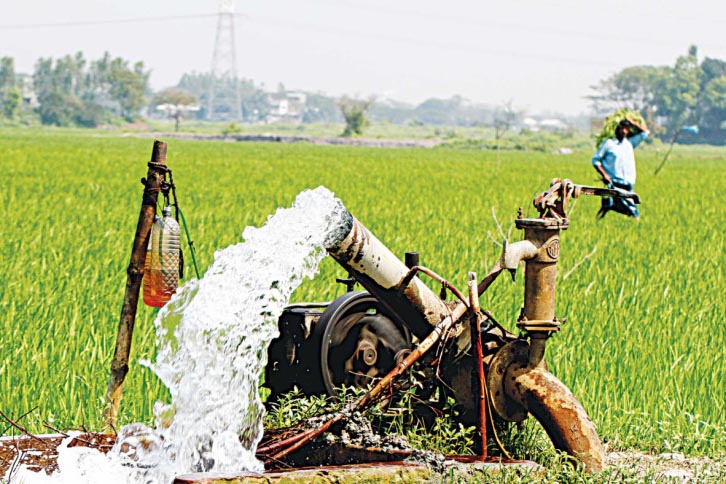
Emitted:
<point x="546" y="326"/>
<point x="553" y="202"/>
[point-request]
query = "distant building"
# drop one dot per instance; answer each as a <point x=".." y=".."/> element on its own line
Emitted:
<point x="544" y="124"/>
<point x="286" y="107"/>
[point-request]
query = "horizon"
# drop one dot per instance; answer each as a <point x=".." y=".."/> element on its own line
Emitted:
<point x="542" y="58"/>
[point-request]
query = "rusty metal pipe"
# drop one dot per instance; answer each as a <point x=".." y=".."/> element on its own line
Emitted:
<point x="446" y="284"/>
<point x="382" y="274"/>
<point x="515" y="253"/>
<point x="479" y="351"/>
<point x="561" y="415"/>
<point x="540" y="250"/>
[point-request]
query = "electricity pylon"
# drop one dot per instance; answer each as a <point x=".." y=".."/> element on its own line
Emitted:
<point x="223" y="100"/>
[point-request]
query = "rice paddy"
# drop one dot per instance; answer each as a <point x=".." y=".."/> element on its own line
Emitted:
<point x="644" y="302"/>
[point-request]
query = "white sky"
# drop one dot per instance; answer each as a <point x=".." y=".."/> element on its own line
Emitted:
<point x="542" y="55"/>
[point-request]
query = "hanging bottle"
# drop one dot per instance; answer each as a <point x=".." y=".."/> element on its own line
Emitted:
<point x="161" y="271"/>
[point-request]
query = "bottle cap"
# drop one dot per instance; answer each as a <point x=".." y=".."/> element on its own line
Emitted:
<point x="166" y="211"/>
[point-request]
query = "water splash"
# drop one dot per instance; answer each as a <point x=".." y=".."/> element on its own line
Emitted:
<point x="212" y="340"/>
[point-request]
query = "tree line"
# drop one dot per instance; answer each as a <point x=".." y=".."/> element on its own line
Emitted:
<point x="686" y="101"/>
<point x="74" y="91"/>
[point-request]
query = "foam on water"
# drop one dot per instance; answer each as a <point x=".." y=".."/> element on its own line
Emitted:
<point x="212" y="340"/>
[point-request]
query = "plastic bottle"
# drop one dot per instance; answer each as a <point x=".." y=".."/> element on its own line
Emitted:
<point x="161" y="271"/>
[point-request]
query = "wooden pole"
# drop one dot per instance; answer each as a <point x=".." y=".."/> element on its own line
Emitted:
<point x="135" y="273"/>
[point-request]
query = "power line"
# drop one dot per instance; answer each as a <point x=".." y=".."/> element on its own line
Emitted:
<point x="474" y="22"/>
<point x="83" y="23"/>
<point x="448" y="46"/>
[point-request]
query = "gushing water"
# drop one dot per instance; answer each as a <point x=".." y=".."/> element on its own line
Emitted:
<point x="212" y="340"/>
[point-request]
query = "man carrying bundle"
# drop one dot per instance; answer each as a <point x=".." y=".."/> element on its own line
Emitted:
<point x="615" y="162"/>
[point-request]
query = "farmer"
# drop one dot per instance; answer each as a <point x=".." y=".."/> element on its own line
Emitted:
<point x="615" y="162"/>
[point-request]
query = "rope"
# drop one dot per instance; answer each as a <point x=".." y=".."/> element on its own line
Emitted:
<point x="162" y="167"/>
<point x="491" y="419"/>
<point x="190" y="242"/>
<point x="165" y="188"/>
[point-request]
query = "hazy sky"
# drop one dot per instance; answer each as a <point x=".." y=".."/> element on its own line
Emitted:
<point x="542" y="55"/>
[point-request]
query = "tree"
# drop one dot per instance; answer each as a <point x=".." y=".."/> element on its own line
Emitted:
<point x="502" y="121"/>
<point x="127" y="87"/>
<point x="11" y="102"/>
<point x="677" y="94"/>
<point x="355" y="114"/>
<point x="712" y="112"/>
<point x="7" y="72"/>
<point x="11" y="97"/>
<point x="175" y="103"/>
<point x="320" y="108"/>
<point x="686" y="94"/>
<point x="58" y="109"/>
<point x="632" y="88"/>
<point x="71" y="90"/>
<point x="253" y="98"/>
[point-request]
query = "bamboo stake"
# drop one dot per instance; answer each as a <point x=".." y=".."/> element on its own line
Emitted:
<point x="135" y="273"/>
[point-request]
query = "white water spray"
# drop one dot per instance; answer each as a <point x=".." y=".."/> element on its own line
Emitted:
<point x="212" y="340"/>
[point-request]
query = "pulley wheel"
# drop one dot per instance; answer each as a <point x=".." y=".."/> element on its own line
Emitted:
<point x="359" y="342"/>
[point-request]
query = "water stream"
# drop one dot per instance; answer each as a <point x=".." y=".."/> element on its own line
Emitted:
<point x="212" y="340"/>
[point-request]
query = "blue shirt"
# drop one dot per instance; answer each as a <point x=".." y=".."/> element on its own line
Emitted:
<point x="617" y="158"/>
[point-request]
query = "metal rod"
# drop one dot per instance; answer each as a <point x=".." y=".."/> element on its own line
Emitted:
<point x="481" y="390"/>
<point x="192" y="249"/>
<point x="490" y="277"/>
<point x="440" y="280"/>
<point x="411" y="259"/>
<point x="135" y="273"/>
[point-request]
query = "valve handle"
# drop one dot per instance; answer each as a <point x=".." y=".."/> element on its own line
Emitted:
<point x="348" y="282"/>
<point x="606" y="192"/>
<point x="553" y="202"/>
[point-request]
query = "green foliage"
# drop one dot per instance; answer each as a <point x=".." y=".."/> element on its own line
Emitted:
<point x="293" y="407"/>
<point x="677" y="94"/>
<point x="127" y="88"/>
<point x="253" y="98"/>
<point x="525" y="140"/>
<point x="231" y="128"/>
<point x="11" y="102"/>
<point x="355" y="114"/>
<point x="688" y="93"/>
<point x="612" y="121"/>
<point x="320" y="108"/>
<point x="11" y="97"/>
<point x="174" y="96"/>
<point x="71" y="91"/>
<point x="176" y="103"/>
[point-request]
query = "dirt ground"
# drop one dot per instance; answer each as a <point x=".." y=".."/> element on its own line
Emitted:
<point x="39" y="454"/>
<point x="669" y="467"/>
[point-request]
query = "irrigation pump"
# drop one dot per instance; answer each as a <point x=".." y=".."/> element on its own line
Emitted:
<point x="368" y="339"/>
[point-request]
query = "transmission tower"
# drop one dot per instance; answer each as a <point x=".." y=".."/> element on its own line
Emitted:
<point x="223" y="101"/>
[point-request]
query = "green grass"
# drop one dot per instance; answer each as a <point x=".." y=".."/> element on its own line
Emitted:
<point x="373" y="130"/>
<point x="642" y="346"/>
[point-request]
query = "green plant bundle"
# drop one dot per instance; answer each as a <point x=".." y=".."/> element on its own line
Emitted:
<point x="612" y="121"/>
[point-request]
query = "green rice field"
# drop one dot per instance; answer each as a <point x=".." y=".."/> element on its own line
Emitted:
<point x="642" y="347"/>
